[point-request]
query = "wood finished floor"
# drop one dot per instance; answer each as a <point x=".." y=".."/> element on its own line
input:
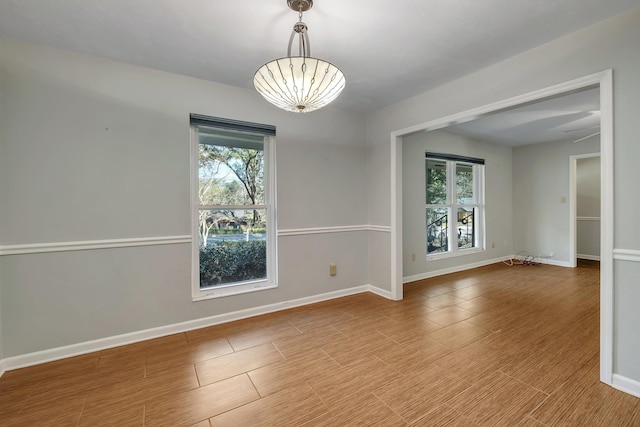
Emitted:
<point x="494" y="346"/>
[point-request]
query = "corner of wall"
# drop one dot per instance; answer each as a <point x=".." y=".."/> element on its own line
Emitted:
<point x="626" y="385"/>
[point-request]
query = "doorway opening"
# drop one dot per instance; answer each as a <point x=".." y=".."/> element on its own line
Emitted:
<point x="585" y="208"/>
<point x="603" y="81"/>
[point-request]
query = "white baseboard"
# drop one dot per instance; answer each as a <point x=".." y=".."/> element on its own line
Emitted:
<point x="381" y="292"/>
<point x="553" y="262"/>
<point x="44" y="356"/>
<point x="464" y="267"/>
<point x="626" y="385"/>
<point x="455" y="269"/>
<point x="588" y="257"/>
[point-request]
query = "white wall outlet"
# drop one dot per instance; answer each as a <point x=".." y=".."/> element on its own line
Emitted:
<point x="413" y="257"/>
<point x="493" y="245"/>
<point x="333" y="269"/>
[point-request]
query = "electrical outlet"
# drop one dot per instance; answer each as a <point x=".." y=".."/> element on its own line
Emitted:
<point x="413" y="257"/>
<point x="493" y="245"/>
<point x="333" y="269"/>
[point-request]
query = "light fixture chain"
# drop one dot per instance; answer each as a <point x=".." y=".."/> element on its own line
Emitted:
<point x="301" y="36"/>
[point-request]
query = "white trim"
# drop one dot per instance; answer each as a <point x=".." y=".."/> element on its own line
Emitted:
<point x="606" y="226"/>
<point x="605" y="80"/>
<point x="327" y="230"/>
<point x="234" y="289"/>
<point x="2" y="367"/>
<point x="588" y="218"/>
<point x="626" y="385"/>
<point x="579" y="83"/>
<point x="272" y="200"/>
<point x="118" y="340"/>
<point x="380" y="292"/>
<point x="557" y="263"/>
<point x="588" y="257"/>
<point x="454" y="254"/>
<point x="379" y="228"/>
<point x="455" y="269"/>
<point x="194" y="168"/>
<point x="37" y="248"/>
<point x="626" y="255"/>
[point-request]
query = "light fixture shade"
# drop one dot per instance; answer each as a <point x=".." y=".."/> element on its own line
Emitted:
<point x="299" y="84"/>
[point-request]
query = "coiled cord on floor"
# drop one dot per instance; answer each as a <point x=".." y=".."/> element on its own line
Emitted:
<point x="522" y="258"/>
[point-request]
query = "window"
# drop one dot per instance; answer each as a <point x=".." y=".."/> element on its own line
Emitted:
<point x="454" y="205"/>
<point x="234" y="245"/>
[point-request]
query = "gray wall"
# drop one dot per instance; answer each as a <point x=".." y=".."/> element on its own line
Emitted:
<point x="498" y="199"/>
<point x="93" y="149"/>
<point x="378" y="210"/>
<point x="588" y="207"/>
<point x="612" y="44"/>
<point x="541" y="188"/>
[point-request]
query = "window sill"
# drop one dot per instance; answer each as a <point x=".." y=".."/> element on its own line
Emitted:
<point x="230" y="290"/>
<point x="456" y="254"/>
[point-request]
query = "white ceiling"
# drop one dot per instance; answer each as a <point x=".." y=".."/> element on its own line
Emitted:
<point x="389" y="50"/>
<point x="568" y="117"/>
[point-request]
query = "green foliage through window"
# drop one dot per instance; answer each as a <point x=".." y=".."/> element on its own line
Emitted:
<point x="232" y="262"/>
<point x="232" y="207"/>
<point x="436" y="182"/>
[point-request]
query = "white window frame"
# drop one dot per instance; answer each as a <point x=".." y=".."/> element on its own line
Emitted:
<point x="452" y="206"/>
<point x="271" y="281"/>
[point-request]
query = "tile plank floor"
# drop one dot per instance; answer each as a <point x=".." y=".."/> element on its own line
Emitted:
<point x="493" y="346"/>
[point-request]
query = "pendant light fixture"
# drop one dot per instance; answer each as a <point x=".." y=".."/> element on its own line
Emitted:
<point x="299" y="84"/>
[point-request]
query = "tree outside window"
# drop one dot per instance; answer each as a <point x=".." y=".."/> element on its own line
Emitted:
<point x="454" y="204"/>
<point x="233" y="209"/>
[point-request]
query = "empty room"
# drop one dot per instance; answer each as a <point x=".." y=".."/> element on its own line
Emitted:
<point x="429" y="220"/>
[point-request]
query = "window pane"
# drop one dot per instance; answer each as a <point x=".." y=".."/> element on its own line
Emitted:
<point x="437" y="230"/>
<point x="230" y="175"/>
<point x="436" y="175"/>
<point x="466" y="228"/>
<point x="233" y="246"/>
<point x="464" y="184"/>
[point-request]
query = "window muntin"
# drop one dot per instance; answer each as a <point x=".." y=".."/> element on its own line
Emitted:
<point x="454" y="205"/>
<point x="234" y="247"/>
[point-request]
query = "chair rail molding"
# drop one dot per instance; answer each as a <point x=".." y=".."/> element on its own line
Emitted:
<point x="626" y="255"/>
<point x="37" y="248"/>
